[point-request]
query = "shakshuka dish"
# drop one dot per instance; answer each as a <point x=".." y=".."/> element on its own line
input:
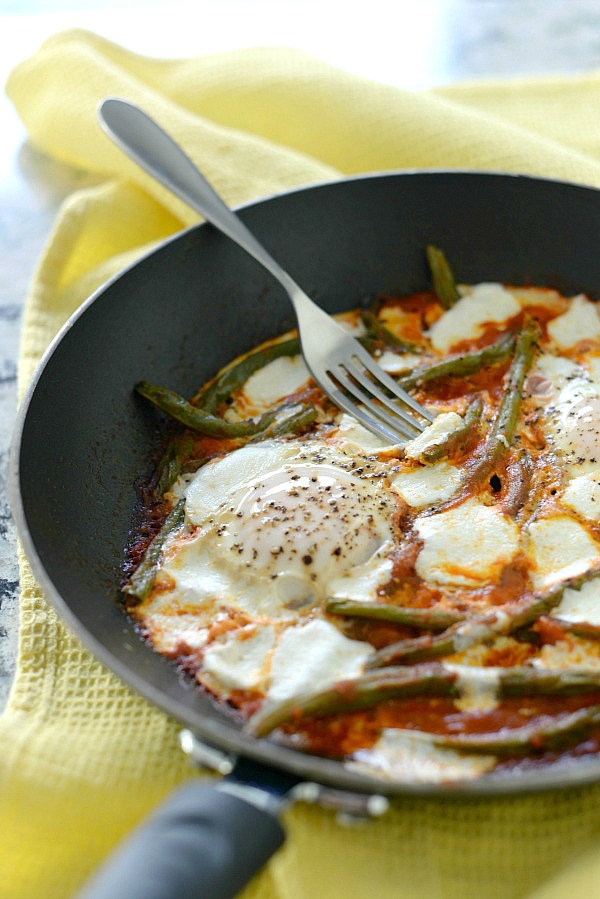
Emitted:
<point x="425" y="612"/>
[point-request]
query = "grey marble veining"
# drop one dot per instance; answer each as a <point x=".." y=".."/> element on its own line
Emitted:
<point x="464" y="39"/>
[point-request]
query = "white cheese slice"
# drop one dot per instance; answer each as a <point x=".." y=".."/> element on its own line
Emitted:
<point x="582" y="494"/>
<point x="413" y="757"/>
<point x="276" y="380"/>
<point x="485" y="303"/>
<point x="313" y="655"/>
<point x="466" y="546"/>
<point x="559" y="548"/>
<point x="580" y="322"/>
<point x="582" y="604"/>
<point x="436" y="433"/>
<point x="240" y="660"/>
<point x="427" y="484"/>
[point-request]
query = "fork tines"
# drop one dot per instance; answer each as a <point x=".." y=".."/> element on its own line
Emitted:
<point x="356" y="386"/>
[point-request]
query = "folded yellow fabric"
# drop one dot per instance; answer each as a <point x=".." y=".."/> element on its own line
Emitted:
<point x="81" y="758"/>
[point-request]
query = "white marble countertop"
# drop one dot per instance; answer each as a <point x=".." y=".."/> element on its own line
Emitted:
<point x="411" y="43"/>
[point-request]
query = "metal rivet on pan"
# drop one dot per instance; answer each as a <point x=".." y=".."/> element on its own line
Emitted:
<point x="206" y="756"/>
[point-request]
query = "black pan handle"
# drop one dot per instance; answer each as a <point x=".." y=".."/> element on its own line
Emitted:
<point x="206" y="840"/>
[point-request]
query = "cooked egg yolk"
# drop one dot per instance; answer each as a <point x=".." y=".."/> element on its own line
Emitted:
<point x="304" y="522"/>
<point x="273" y="526"/>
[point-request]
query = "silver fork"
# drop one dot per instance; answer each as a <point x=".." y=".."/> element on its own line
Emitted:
<point x="345" y="371"/>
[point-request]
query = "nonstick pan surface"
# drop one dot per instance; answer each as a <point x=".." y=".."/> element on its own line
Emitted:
<point x="84" y="438"/>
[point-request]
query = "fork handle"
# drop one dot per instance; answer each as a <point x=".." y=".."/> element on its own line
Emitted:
<point x="144" y="141"/>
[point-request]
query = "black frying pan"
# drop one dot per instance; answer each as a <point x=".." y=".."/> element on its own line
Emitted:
<point x="83" y="438"/>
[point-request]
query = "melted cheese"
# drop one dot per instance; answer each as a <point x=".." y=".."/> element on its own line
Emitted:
<point x="485" y="303"/>
<point x="582" y="604"/>
<point x="350" y="433"/>
<point x="414" y="757"/>
<point x="559" y="548"/>
<point x="428" y="484"/>
<point x="447" y="558"/>
<point x="240" y="660"/>
<point x="582" y="494"/>
<point x="579" y="322"/>
<point x="478" y="687"/>
<point x="313" y="653"/>
<point x="270" y="384"/>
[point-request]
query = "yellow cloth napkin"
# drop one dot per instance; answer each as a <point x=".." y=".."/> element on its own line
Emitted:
<point x="82" y="759"/>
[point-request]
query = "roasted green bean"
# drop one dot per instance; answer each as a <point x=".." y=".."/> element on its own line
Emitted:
<point x="479" y="628"/>
<point x="430" y="679"/>
<point x="198" y="419"/>
<point x="428" y="619"/>
<point x="376" y="330"/>
<point x="457" y="439"/>
<point x="460" y="366"/>
<point x="141" y="582"/>
<point x="444" y="284"/>
<point x="539" y="736"/>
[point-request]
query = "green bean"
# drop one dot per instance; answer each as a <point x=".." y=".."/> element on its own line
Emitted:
<point x="293" y="423"/>
<point x="460" y="366"/>
<point x="480" y="628"/>
<point x="430" y="679"/>
<point x="198" y="419"/>
<point x="428" y="619"/>
<point x="444" y="284"/>
<point x="457" y="439"/>
<point x="505" y="424"/>
<point x="424" y="648"/>
<point x="353" y="695"/>
<point x="142" y="580"/>
<point x="377" y="330"/>
<point x="518" y="473"/>
<point x="527" y="681"/>
<point x="538" y="737"/>
<point x="172" y="462"/>
<point x="210" y="398"/>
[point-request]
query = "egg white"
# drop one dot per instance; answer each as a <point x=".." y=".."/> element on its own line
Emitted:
<point x="272" y="526"/>
<point x="569" y="401"/>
